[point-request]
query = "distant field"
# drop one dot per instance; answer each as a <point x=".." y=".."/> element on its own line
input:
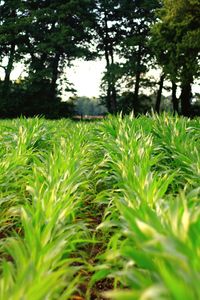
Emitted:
<point x="107" y="209"/>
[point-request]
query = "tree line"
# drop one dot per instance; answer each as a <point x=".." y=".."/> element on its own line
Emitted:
<point x="133" y="36"/>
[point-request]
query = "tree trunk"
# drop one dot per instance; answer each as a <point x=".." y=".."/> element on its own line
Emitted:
<point x="186" y="90"/>
<point x="136" y="91"/>
<point x="159" y="94"/>
<point x="185" y="97"/>
<point x="137" y="79"/>
<point x="55" y="72"/>
<point x="37" y="65"/>
<point x="174" y="98"/>
<point x="108" y="97"/>
<point x="9" y="67"/>
<point x="112" y="83"/>
<point x="111" y="102"/>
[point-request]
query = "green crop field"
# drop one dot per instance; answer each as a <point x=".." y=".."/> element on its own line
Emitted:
<point x="100" y="210"/>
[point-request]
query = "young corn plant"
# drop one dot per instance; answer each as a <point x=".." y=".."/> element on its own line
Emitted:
<point x="152" y="251"/>
<point x="87" y="207"/>
<point x="39" y="262"/>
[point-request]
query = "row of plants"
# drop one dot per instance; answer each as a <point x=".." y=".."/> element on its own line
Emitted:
<point x="43" y="183"/>
<point x="150" y="168"/>
<point x="103" y="209"/>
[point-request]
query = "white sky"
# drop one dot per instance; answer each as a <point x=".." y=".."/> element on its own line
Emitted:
<point x="86" y="77"/>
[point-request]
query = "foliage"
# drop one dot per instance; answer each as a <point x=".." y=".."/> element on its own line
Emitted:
<point x="85" y="203"/>
<point x="132" y="36"/>
<point x="142" y="106"/>
<point x="44" y="36"/>
<point x="41" y="194"/>
<point x="31" y="99"/>
<point x="88" y="106"/>
<point x="175" y="41"/>
<point x="151" y="167"/>
<point x="123" y="29"/>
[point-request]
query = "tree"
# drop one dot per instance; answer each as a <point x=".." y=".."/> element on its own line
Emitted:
<point x="138" y="17"/>
<point x="176" y="40"/>
<point x="107" y="35"/>
<point x="159" y="94"/>
<point x="11" y="37"/>
<point x="52" y="34"/>
<point x="123" y="29"/>
<point x="59" y="33"/>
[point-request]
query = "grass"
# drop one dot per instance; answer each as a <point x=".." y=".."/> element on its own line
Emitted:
<point x="106" y="209"/>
